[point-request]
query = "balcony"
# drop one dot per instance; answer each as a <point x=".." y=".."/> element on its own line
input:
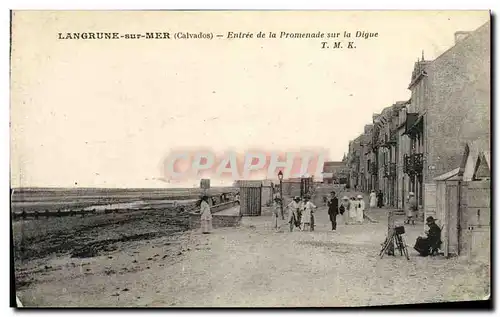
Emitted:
<point x="413" y="164"/>
<point x="390" y="170"/>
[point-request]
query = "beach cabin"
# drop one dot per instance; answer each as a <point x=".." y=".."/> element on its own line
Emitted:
<point x="250" y="197"/>
<point x="461" y="204"/>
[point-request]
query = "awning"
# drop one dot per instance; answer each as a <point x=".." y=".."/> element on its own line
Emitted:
<point x="412" y="121"/>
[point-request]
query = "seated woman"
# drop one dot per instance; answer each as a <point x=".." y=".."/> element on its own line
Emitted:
<point x="432" y="242"/>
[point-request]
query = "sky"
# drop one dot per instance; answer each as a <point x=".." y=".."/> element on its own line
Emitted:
<point x="106" y="113"/>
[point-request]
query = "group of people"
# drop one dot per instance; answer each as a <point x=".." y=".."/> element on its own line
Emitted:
<point x="350" y="209"/>
<point x="300" y="213"/>
<point x="301" y="216"/>
<point x="376" y="199"/>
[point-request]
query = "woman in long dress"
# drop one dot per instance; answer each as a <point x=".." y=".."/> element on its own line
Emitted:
<point x="411" y="209"/>
<point x="344" y="209"/>
<point x="307" y="215"/>
<point x="353" y="204"/>
<point x="360" y="210"/>
<point x="373" y="199"/>
<point x="276" y="212"/>
<point x="206" y="215"/>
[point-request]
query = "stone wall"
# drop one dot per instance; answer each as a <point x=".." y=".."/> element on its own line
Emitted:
<point x="218" y="220"/>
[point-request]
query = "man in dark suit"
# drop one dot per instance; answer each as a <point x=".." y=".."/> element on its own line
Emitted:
<point x="430" y="244"/>
<point x="333" y="209"/>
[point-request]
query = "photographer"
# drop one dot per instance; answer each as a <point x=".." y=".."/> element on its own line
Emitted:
<point x="431" y="243"/>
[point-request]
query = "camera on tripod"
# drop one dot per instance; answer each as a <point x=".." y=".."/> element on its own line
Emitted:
<point x="395" y="240"/>
<point x="399" y="230"/>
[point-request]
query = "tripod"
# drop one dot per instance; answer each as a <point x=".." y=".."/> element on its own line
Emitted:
<point x="395" y="238"/>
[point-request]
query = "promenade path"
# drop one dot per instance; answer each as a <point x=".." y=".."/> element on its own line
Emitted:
<point x="254" y="266"/>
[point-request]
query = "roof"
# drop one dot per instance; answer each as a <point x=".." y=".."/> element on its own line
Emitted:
<point x="411" y="121"/>
<point x="249" y="183"/>
<point x="473" y="156"/>
<point x="334" y="163"/>
<point x="451" y="175"/>
<point x="474" y="152"/>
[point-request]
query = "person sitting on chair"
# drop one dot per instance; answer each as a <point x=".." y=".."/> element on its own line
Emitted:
<point x="432" y="242"/>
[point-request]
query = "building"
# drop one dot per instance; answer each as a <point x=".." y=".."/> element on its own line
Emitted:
<point x="335" y="173"/>
<point x="387" y="148"/>
<point x="403" y="147"/>
<point x="359" y="159"/>
<point x="366" y="153"/>
<point x="450" y="106"/>
<point x="353" y="162"/>
<point x="412" y="142"/>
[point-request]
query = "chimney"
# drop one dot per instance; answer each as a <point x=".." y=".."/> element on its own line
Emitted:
<point x="460" y="35"/>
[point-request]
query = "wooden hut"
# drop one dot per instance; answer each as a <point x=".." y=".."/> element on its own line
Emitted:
<point x="205" y="184"/>
<point x="461" y="204"/>
<point x="250" y="197"/>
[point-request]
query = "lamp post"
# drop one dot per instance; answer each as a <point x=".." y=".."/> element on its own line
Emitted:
<point x="280" y="177"/>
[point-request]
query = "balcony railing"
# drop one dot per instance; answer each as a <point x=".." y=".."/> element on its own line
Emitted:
<point x="413" y="164"/>
<point x="393" y="136"/>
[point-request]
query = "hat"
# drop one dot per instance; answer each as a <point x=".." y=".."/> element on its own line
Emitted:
<point x="430" y="219"/>
<point x="345" y="198"/>
<point x="296" y="198"/>
<point x="277" y="198"/>
<point x="360" y="196"/>
<point x="411" y="194"/>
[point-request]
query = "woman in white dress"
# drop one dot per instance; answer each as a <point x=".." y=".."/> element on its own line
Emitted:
<point x="353" y="206"/>
<point x="361" y="209"/>
<point x="206" y="215"/>
<point x="411" y="208"/>
<point x="344" y="209"/>
<point x="307" y="215"/>
<point x="373" y="199"/>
